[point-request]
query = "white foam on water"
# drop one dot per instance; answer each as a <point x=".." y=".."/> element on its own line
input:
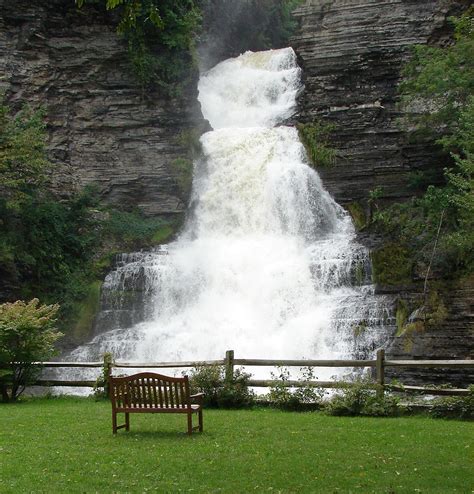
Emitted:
<point x="266" y="262"/>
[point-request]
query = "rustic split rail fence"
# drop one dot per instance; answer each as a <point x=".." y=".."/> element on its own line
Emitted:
<point x="380" y="363"/>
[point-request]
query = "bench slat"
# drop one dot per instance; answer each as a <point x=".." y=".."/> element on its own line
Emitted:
<point x="165" y="394"/>
<point x="158" y="384"/>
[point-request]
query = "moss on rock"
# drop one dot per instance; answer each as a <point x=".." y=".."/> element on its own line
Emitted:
<point x="392" y="265"/>
<point x="358" y="214"/>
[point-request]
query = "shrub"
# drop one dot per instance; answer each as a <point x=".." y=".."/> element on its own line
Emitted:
<point x="219" y="392"/>
<point x="302" y="398"/>
<point x="461" y="407"/>
<point x="27" y="335"/>
<point x="359" y="398"/>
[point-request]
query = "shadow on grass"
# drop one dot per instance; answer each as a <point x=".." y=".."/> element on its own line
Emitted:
<point x="161" y="434"/>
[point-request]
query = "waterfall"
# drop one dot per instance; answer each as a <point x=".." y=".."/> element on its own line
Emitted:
<point x="267" y="263"/>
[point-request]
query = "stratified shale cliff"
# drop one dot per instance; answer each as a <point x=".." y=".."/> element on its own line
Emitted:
<point x="351" y="52"/>
<point x="103" y="128"/>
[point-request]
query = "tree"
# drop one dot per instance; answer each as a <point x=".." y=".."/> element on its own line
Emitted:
<point x="27" y="335"/>
<point x="23" y="162"/>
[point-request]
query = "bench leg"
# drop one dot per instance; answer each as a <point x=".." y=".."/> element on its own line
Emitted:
<point x="190" y="423"/>
<point x="127" y="421"/>
<point x="114" y="422"/>
<point x="200" y="420"/>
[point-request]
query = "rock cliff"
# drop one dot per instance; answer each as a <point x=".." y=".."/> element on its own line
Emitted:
<point x="103" y="128"/>
<point x="351" y="52"/>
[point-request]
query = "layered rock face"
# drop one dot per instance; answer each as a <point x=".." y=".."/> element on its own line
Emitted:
<point x="352" y="52"/>
<point x="451" y="339"/>
<point x="103" y="128"/>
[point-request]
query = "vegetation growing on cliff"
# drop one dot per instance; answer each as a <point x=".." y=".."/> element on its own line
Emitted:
<point x="160" y="35"/>
<point x="23" y="164"/>
<point x="437" y="227"/>
<point x="315" y="138"/>
<point x="251" y="25"/>
<point x="57" y="251"/>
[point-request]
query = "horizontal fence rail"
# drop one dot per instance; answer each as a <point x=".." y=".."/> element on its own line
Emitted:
<point x="229" y="363"/>
<point x="167" y="365"/>
<point x="305" y="363"/>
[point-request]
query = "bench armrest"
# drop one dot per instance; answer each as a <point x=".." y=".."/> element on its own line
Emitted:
<point x="198" y="396"/>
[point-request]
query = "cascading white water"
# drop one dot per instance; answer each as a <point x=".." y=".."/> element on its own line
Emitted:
<point x="267" y="263"/>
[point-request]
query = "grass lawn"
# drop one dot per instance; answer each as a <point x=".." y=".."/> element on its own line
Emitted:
<point x="65" y="445"/>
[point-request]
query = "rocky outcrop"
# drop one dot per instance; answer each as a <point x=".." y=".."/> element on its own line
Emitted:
<point x="103" y="128"/>
<point x="351" y="52"/>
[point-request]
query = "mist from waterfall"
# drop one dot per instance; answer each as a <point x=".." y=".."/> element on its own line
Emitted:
<point x="267" y="263"/>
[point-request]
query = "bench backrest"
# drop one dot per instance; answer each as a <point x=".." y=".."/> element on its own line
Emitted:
<point x="149" y="390"/>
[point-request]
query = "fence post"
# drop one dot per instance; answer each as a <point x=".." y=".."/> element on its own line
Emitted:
<point x="107" y="369"/>
<point x="229" y="365"/>
<point x="380" y="372"/>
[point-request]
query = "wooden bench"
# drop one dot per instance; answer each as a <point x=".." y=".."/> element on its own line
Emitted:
<point x="148" y="392"/>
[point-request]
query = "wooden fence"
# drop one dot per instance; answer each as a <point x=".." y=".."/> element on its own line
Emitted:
<point x="380" y="363"/>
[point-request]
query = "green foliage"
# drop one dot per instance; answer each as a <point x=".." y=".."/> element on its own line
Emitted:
<point x="189" y="139"/>
<point x="182" y="168"/>
<point x="251" y="25"/>
<point x="358" y="214"/>
<point x="27" y="335"/>
<point x="272" y="23"/>
<point x="428" y="312"/>
<point x="183" y="171"/>
<point x="23" y="164"/>
<point x="85" y="312"/>
<point x="460" y="407"/>
<point x="391" y="265"/>
<point x="132" y="230"/>
<point x="437" y="228"/>
<point x="315" y="138"/>
<point x="163" y="234"/>
<point x="160" y="36"/>
<point x="439" y="82"/>
<point x="58" y="251"/>
<point x="219" y="392"/>
<point x="49" y="245"/>
<point x="304" y="397"/>
<point x="401" y="315"/>
<point x="359" y="398"/>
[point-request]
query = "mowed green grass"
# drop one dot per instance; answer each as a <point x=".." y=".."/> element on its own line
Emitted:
<point x="66" y="445"/>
